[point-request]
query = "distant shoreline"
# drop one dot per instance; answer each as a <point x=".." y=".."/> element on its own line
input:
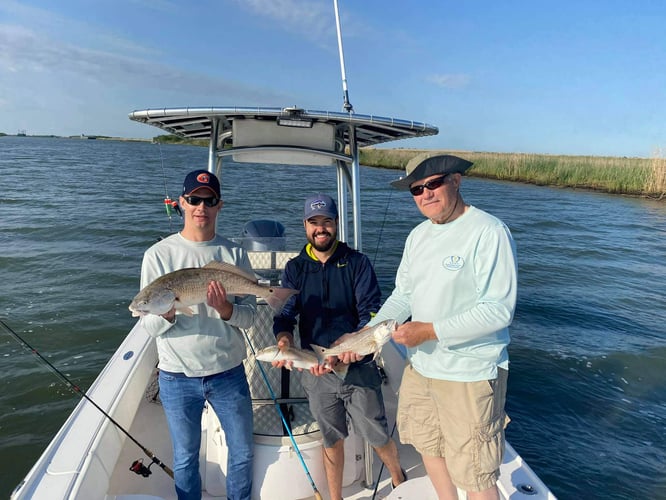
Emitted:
<point x="639" y="177"/>
<point x="80" y="137"/>
<point x="616" y="175"/>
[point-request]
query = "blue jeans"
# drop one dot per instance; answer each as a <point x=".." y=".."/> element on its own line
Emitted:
<point x="183" y="401"/>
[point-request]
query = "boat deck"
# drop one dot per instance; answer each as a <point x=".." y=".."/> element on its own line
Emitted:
<point x="150" y="424"/>
<point x="517" y="480"/>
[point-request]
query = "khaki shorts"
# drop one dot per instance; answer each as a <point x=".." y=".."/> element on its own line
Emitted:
<point x="461" y="421"/>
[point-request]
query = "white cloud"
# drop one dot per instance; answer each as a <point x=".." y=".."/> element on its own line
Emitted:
<point x="451" y="81"/>
<point x="312" y="19"/>
<point x="25" y="52"/>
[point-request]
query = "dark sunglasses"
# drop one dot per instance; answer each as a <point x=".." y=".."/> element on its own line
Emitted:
<point x="196" y="200"/>
<point x="431" y="185"/>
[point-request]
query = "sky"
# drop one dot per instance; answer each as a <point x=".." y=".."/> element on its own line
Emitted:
<point x="517" y="76"/>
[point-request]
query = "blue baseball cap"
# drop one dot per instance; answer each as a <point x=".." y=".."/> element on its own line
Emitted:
<point x="320" y="204"/>
<point x="201" y="179"/>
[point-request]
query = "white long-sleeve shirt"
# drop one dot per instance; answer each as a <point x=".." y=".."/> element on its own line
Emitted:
<point x="203" y="344"/>
<point x="462" y="277"/>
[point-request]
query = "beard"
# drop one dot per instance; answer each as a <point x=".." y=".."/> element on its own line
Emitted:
<point x="322" y="246"/>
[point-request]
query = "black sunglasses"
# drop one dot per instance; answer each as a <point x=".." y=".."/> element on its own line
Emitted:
<point x="431" y="185"/>
<point x="196" y="200"/>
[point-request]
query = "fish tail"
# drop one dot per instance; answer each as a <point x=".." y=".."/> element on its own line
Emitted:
<point x="278" y="297"/>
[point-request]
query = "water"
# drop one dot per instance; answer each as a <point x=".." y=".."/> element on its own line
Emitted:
<point x="587" y="390"/>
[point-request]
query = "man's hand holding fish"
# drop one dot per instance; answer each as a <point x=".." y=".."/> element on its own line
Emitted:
<point x="351" y="347"/>
<point x="348" y="356"/>
<point x="216" y="297"/>
<point x="285" y="342"/>
<point x="414" y="333"/>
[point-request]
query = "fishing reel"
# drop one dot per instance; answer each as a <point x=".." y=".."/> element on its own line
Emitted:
<point x="139" y="469"/>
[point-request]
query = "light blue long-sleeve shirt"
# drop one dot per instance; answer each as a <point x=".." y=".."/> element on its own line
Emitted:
<point x="462" y="278"/>
<point x="203" y="344"/>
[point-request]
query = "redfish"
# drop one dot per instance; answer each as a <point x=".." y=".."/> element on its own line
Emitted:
<point x="187" y="287"/>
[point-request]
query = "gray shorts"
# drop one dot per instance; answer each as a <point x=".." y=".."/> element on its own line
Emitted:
<point x="359" y="396"/>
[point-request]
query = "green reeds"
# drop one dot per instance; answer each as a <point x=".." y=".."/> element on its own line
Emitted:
<point x="618" y="175"/>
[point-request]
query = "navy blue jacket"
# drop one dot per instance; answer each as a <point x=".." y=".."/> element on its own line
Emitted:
<point x="335" y="298"/>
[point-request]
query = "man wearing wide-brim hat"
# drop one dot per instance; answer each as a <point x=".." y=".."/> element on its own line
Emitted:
<point x="457" y="281"/>
<point x="432" y="171"/>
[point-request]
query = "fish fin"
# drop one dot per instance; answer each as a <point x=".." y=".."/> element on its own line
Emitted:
<point x="320" y="358"/>
<point x="319" y="352"/>
<point x="230" y="268"/>
<point x="341" y="369"/>
<point x="278" y="297"/>
<point x="187" y="311"/>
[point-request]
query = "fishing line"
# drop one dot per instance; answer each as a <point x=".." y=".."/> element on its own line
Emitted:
<point x="317" y="495"/>
<point x="137" y="466"/>
<point x="381" y="229"/>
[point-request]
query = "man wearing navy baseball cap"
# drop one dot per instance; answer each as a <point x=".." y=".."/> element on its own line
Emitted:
<point x="201" y="351"/>
<point x="201" y="179"/>
<point x="339" y="294"/>
<point x="320" y="204"/>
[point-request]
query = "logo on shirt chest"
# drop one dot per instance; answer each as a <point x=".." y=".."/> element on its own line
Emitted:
<point x="453" y="263"/>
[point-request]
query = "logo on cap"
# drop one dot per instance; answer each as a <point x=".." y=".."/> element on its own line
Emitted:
<point x="203" y="178"/>
<point x="318" y="205"/>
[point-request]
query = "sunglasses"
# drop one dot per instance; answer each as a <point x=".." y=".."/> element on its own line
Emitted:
<point x="196" y="201"/>
<point x="431" y="185"/>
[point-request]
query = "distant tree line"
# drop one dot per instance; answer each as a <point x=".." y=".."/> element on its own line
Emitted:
<point x="176" y="139"/>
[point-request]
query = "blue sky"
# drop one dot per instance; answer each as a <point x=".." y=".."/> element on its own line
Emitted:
<point x="558" y="77"/>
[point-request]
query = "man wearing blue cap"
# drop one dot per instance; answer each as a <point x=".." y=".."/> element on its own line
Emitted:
<point x="339" y="294"/>
<point x="201" y="356"/>
<point x="457" y="281"/>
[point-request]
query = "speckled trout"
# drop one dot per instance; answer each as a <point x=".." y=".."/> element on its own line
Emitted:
<point x="187" y="287"/>
<point x="363" y="342"/>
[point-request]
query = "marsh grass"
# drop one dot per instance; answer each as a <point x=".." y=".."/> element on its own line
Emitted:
<point x="618" y="175"/>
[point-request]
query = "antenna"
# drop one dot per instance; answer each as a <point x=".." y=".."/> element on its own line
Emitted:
<point x="345" y="93"/>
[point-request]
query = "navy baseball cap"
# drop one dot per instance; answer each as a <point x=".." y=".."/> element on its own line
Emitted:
<point x="427" y="164"/>
<point x="201" y="179"/>
<point x="320" y="204"/>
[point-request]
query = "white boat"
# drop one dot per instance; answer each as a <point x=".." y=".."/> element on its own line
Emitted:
<point x="90" y="456"/>
<point x="119" y="424"/>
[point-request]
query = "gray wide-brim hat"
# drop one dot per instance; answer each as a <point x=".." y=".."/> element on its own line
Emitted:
<point x="427" y="164"/>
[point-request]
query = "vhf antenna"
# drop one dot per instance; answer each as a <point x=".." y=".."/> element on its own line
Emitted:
<point x="345" y="92"/>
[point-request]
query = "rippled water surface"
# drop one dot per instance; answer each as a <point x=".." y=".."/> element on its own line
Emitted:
<point x="587" y="390"/>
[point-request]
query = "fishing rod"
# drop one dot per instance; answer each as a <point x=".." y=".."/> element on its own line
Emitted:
<point x="317" y="495"/>
<point x="169" y="205"/>
<point x="137" y="466"/>
<point x="345" y="92"/>
<point x="381" y="469"/>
